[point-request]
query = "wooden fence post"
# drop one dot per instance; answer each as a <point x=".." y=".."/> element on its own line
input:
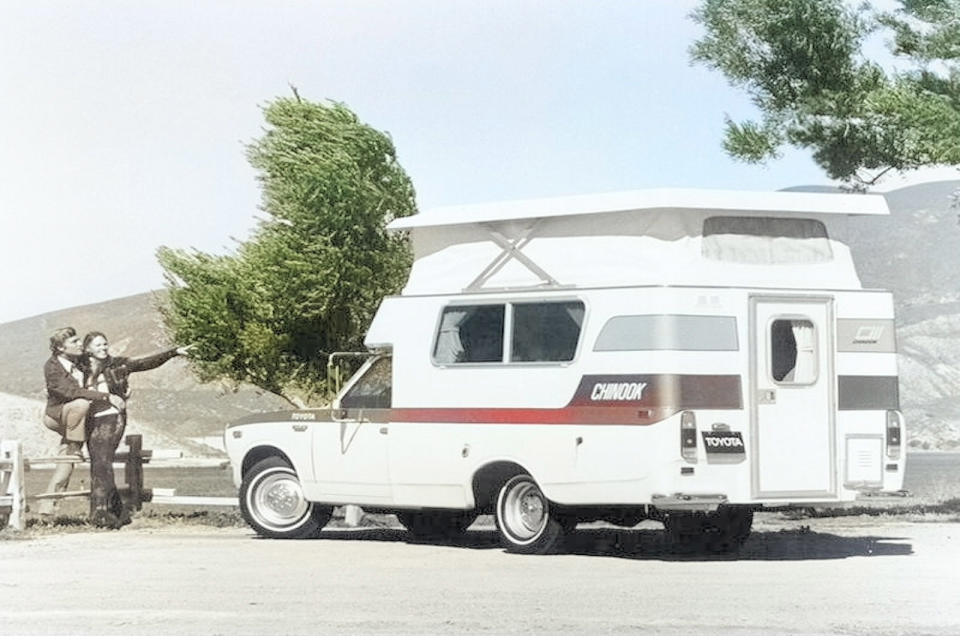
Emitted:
<point x="133" y="471"/>
<point x="12" y="454"/>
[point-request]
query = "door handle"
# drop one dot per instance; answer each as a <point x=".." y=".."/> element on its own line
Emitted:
<point x="384" y="430"/>
<point x="767" y="396"/>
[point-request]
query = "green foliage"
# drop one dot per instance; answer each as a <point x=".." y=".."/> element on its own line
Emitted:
<point x="803" y="64"/>
<point x="310" y="278"/>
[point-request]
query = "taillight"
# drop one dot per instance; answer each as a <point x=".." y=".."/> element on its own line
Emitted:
<point x="894" y="433"/>
<point x="688" y="436"/>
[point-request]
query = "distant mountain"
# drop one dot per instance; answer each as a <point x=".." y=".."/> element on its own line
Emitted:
<point x="167" y="400"/>
<point x="915" y="253"/>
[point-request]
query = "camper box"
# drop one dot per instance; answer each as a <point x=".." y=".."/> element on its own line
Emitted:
<point x="687" y="356"/>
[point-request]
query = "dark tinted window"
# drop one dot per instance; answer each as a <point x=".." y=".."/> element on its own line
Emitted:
<point x="470" y="333"/>
<point x="546" y="332"/>
<point x="373" y="390"/>
<point x="793" y="354"/>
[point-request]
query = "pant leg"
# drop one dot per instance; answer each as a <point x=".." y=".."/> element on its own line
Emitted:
<point x="60" y="480"/>
<point x="104" y="434"/>
<point x="71" y="424"/>
<point x="74" y="419"/>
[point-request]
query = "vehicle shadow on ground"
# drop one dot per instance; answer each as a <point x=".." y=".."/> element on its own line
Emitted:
<point x="781" y="545"/>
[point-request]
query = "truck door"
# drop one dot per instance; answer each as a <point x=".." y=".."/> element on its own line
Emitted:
<point x="793" y="440"/>
<point x="351" y="460"/>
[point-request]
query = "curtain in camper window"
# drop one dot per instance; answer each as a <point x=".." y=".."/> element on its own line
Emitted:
<point x="765" y="241"/>
<point x="470" y="333"/>
<point x="793" y="354"/>
<point x="806" y="370"/>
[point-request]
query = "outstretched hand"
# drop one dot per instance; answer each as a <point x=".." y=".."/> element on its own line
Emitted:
<point x="182" y="351"/>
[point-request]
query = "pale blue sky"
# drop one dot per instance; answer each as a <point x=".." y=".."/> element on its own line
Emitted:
<point x="122" y="124"/>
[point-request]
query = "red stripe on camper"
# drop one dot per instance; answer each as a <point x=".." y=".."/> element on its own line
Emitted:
<point x="566" y="415"/>
<point x="637" y="400"/>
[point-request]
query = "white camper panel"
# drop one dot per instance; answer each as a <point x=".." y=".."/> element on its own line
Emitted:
<point x="782" y="240"/>
<point x="797" y="441"/>
<point x="620" y="356"/>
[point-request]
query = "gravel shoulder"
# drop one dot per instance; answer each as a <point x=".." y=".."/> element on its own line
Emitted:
<point x="845" y="575"/>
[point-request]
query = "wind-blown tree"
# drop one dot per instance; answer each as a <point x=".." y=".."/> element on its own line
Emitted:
<point x="804" y="65"/>
<point x="314" y="270"/>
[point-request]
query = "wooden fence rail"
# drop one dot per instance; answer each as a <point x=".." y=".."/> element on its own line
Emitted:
<point x="13" y="464"/>
<point x="11" y="484"/>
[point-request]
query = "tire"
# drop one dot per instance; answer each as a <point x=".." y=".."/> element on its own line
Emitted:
<point x="272" y="502"/>
<point x="524" y="520"/>
<point x="436" y="524"/>
<point x="719" y="532"/>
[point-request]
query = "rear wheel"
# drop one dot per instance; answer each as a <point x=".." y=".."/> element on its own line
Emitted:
<point x="721" y="531"/>
<point x="524" y="518"/>
<point x="436" y="524"/>
<point x="272" y="502"/>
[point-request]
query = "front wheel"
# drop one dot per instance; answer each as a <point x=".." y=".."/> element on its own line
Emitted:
<point x="524" y="519"/>
<point x="272" y="502"/>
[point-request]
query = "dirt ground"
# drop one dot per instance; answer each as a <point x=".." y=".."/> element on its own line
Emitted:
<point x="850" y="575"/>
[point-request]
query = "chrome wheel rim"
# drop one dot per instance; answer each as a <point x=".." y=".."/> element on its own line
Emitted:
<point x="277" y="501"/>
<point x="525" y="512"/>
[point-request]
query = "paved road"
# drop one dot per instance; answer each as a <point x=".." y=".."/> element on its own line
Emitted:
<point x="839" y="576"/>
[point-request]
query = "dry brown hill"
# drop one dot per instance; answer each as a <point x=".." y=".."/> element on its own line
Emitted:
<point x="168" y="399"/>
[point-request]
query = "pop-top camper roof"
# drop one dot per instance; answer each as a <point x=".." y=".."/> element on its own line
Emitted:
<point x="644" y="237"/>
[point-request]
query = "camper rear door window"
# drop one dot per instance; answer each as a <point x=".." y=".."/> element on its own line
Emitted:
<point x="539" y="332"/>
<point x="758" y="240"/>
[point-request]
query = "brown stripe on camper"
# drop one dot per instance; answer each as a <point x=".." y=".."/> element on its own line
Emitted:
<point x="868" y="393"/>
<point x="604" y="399"/>
<point x="658" y="391"/>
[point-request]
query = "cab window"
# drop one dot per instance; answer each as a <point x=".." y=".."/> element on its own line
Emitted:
<point x="373" y="390"/>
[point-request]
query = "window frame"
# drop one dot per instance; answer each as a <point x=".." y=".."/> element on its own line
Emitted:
<point x="357" y="378"/>
<point x="507" y="349"/>
<point x="831" y="255"/>
<point x="768" y="363"/>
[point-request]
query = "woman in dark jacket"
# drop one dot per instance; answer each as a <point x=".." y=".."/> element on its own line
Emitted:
<point x="68" y="404"/>
<point x="109" y="374"/>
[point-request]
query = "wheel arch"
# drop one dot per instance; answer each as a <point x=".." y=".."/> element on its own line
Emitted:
<point x="261" y="452"/>
<point x="489" y="478"/>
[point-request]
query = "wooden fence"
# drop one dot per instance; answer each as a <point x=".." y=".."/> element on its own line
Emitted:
<point x="13" y="465"/>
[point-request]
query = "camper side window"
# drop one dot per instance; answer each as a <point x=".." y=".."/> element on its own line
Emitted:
<point x="758" y="240"/>
<point x="373" y="390"/>
<point x="545" y="332"/>
<point x="540" y="332"/>
<point x="793" y="354"/>
<point x="470" y="333"/>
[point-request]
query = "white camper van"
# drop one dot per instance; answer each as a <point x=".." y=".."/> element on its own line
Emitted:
<point x="687" y="356"/>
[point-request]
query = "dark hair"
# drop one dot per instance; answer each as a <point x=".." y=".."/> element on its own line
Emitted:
<point x="91" y="335"/>
<point x="59" y="337"/>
